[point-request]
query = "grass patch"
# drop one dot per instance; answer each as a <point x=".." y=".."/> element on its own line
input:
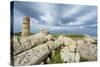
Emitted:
<point x="56" y="35"/>
<point x="74" y="35"/>
<point x="70" y="35"/>
<point x="82" y="59"/>
<point x="94" y="42"/>
<point x="17" y="33"/>
<point x="56" y="57"/>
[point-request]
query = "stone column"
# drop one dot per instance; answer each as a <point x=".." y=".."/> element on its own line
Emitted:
<point x="26" y="27"/>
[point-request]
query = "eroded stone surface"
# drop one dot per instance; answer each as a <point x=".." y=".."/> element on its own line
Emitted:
<point x="34" y="49"/>
<point x="26" y="43"/>
<point x="66" y="40"/>
<point x="53" y="44"/>
<point x="88" y="39"/>
<point x="50" y="37"/>
<point x="17" y="47"/>
<point x="69" y="56"/>
<point x="88" y="51"/>
<point x="32" y="56"/>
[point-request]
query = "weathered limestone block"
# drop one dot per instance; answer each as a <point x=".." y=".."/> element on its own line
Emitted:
<point x="36" y="38"/>
<point x="78" y="42"/>
<point x="77" y="57"/>
<point x="53" y="44"/>
<point x="64" y="54"/>
<point x="32" y="56"/>
<point x="69" y="57"/>
<point x="29" y="42"/>
<point x="72" y="47"/>
<point x="17" y="47"/>
<point x="50" y="37"/>
<point x="42" y="63"/>
<point x="88" y="51"/>
<point x="66" y="40"/>
<point x="44" y="31"/>
<point x="89" y="39"/>
<point x="48" y="60"/>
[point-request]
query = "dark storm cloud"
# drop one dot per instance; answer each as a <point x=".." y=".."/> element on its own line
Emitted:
<point x="63" y="17"/>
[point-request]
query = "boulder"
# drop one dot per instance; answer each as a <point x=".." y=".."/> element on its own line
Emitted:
<point x="53" y="44"/>
<point x="66" y="40"/>
<point x="77" y="57"/>
<point x="64" y="54"/>
<point x="16" y="45"/>
<point x="69" y="57"/>
<point x="36" y="39"/>
<point x="44" y="31"/>
<point x="42" y="63"/>
<point x="88" y="51"/>
<point x="72" y="47"/>
<point x="48" y="60"/>
<point x="88" y="39"/>
<point x="50" y="37"/>
<point x="33" y="56"/>
<point x="78" y="42"/>
<point x="29" y="42"/>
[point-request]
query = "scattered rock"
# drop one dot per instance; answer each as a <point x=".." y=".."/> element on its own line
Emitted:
<point x="17" y="47"/>
<point x="42" y="63"/>
<point x="88" y="40"/>
<point x="78" y="42"/>
<point x="36" y="48"/>
<point x="65" y="54"/>
<point x="66" y="40"/>
<point x="77" y="57"/>
<point x="29" y="42"/>
<point x="50" y="37"/>
<point x="44" y="31"/>
<point x="32" y="56"/>
<point x="53" y="44"/>
<point x="69" y="57"/>
<point x="48" y="60"/>
<point x="88" y="51"/>
<point x="72" y="47"/>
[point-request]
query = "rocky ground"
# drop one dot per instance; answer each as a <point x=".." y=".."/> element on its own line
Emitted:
<point x="45" y="48"/>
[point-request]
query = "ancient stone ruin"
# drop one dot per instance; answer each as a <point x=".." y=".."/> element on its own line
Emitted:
<point x="26" y="27"/>
<point x="41" y="47"/>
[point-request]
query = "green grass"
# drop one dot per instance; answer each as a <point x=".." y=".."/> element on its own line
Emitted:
<point x="17" y="33"/>
<point x="70" y="35"/>
<point x="75" y="35"/>
<point x="56" y="57"/>
<point x="94" y="42"/>
<point x="57" y="35"/>
<point x="82" y="59"/>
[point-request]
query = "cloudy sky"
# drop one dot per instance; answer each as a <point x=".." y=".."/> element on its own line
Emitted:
<point x="57" y="18"/>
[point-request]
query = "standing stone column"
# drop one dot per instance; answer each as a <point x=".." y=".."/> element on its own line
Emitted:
<point x="26" y="27"/>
